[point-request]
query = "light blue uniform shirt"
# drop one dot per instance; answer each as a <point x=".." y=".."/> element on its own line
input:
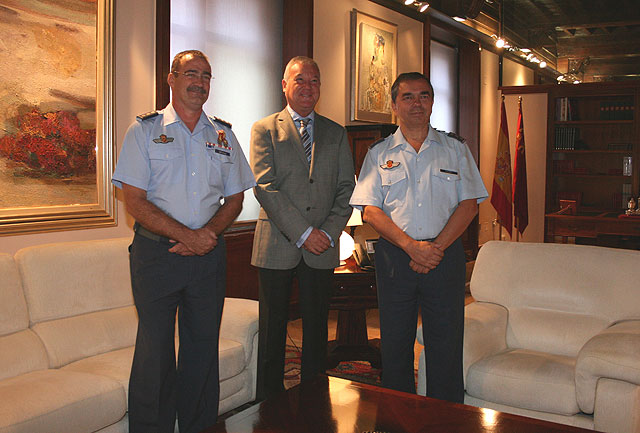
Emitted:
<point x="185" y="173"/>
<point x="418" y="191"/>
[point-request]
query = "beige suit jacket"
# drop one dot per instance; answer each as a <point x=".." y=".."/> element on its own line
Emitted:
<point x="294" y="196"/>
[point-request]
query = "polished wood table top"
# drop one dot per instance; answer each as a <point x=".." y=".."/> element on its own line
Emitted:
<point x="329" y="404"/>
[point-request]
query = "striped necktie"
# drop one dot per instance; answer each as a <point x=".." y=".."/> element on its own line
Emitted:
<point x="306" y="138"/>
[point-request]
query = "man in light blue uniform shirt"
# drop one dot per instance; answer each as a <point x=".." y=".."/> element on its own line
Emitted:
<point x="420" y="189"/>
<point x="183" y="175"/>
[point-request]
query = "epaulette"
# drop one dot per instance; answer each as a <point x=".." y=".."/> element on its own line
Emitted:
<point x="375" y="143"/>
<point x="145" y="116"/>
<point x="224" y="122"/>
<point x="456" y="136"/>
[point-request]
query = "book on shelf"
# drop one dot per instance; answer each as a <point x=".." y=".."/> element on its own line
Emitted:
<point x="620" y="146"/>
<point x="617" y="110"/>
<point x="566" y="138"/>
<point x="566" y="109"/>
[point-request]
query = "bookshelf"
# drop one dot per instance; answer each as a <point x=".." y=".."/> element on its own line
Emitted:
<point x="593" y="129"/>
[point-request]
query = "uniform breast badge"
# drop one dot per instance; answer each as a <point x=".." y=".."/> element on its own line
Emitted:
<point x="163" y="139"/>
<point x="389" y="164"/>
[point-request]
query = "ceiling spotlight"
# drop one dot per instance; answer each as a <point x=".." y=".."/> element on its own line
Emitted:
<point x="525" y="50"/>
<point x="576" y="82"/>
<point x="408" y="2"/>
<point x="543" y="64"/>
<point x="424" y="7"/>
<point x="460" y="19"/>
<point x="499" y="42"/>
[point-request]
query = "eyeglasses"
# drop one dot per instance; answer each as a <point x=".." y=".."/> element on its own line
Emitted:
<point x="193" y="76"/>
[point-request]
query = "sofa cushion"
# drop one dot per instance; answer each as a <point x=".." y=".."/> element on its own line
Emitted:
<point x="115" y="365"/>
<point x="74" y="338"/>
<point x="21" y="351"/>
<point x="231" y="357"/>
<point x="72" y="278"/>
<point x="59" y="401"/>
<point x="526" y="379"/>
<point x="13" y="308"/>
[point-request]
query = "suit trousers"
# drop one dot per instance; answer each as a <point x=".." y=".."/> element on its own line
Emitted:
<point x="315" y="289"/>
<point x="162" y="284"/>
<point x="439" y="295"/>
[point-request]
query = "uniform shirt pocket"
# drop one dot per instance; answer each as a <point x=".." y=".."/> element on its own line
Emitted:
<point x="166" y="163"/>
<point x="219" y="163"/>
<point x="445" y="183"/>
<point x="394" y="185"/>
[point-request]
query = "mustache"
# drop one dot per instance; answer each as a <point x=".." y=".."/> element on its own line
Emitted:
<point x="194" y="88"/>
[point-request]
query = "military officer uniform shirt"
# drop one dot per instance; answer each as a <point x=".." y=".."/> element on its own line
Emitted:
<point x="185" y="173"/>
<point x="418" y="191"/>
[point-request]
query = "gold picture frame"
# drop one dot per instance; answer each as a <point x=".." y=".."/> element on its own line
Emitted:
<point x="374" y="64"/>
<point x="56" y="126"/>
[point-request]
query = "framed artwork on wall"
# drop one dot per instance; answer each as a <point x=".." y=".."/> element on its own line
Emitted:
<point x="374" y="47"/>
<point x="56" y="116"/>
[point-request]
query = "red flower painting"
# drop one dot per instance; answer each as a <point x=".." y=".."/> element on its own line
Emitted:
<point x="51" y="144"/>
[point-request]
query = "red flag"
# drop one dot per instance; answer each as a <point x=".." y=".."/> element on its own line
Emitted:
<point x="501" y="192"/>
<point x="520" y="200"/>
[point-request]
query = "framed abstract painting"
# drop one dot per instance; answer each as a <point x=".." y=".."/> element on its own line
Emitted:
<point x="56" y="115"/>
<point x="374" y="47"/>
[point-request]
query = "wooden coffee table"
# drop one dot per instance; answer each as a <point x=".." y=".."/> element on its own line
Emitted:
<point x="329" y="404"/>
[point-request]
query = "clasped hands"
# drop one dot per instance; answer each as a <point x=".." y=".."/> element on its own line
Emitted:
<point x="425" y="256"/>
<point x="317" y="242"/>
<point x="198" y="243"/>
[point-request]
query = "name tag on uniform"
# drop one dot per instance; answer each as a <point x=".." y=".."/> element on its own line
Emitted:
<point x="442" y="170"/>
<point x="221" y="148"/>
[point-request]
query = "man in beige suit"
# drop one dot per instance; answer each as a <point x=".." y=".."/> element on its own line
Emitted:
<point x="304" y="173"/>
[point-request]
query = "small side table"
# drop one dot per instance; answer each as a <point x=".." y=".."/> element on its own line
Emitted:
<point x="355" y="292"/>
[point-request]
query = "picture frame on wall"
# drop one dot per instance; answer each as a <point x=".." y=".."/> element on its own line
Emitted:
<point x="374" y="63"/>
<point x="56" y="116"/>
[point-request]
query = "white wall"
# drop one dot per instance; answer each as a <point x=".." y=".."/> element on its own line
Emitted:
<point x="134" y="94"/>
<point x="332" y="50"/>
<point x="534" y="109"/>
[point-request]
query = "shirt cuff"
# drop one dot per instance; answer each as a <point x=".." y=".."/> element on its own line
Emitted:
<point x="304" y="237"/>
<point x="329" y="236"/>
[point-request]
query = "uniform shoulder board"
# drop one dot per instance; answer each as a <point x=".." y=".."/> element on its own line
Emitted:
<point x="224" y="122"/>
<point x="146" y="116"/>
<point x="456" y="136"/>
<point x="375" y="143"/>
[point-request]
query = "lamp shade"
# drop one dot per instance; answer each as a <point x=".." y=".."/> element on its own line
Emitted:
<point x="346" y="246"/>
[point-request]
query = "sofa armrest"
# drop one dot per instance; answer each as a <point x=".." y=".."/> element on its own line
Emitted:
<point x="614" y="354"/>
<point x="240" y="322"/>
<point x="485" y="332"/>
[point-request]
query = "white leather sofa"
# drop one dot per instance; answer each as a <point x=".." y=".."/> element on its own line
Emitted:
<point x="554" y="334"/>
<point x="67" y="330"/>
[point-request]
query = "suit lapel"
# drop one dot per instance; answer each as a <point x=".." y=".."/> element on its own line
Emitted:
<point x="285" y="122"/>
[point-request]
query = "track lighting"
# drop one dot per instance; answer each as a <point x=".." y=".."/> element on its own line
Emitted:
<point x="420" y="5"/>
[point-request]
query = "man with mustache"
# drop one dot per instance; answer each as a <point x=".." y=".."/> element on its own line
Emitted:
<point x="182" y="174"/>
<point x="420" y="189"/>
<point x="304" y="174"/>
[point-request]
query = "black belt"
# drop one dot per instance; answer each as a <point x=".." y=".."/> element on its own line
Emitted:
<point x="150" y="235"/>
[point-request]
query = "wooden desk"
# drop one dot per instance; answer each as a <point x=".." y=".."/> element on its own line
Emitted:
<point x="592" y="227"/>
<point x="329" y="405"/>
<point x="354" y="293"/>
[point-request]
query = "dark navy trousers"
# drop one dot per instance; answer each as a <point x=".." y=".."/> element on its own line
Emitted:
<point x="162" y="284"/>
<point x="315" y="287"/>
<point x="439" y="295"/>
